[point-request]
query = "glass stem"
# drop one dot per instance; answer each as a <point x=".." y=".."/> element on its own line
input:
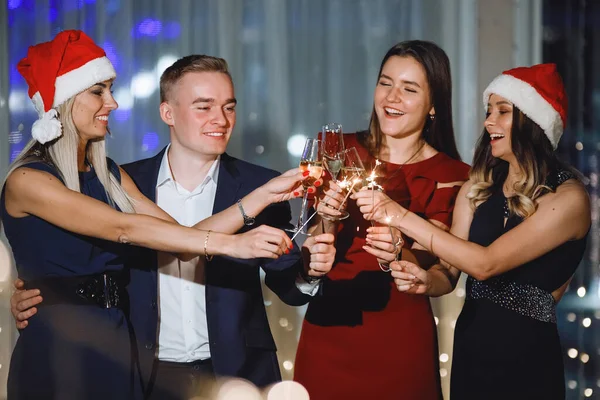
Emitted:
<point x="302" y="210"/>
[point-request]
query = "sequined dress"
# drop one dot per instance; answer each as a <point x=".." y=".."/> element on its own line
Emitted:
<point x="506" y="343"/>
<point x="362" y="338"/>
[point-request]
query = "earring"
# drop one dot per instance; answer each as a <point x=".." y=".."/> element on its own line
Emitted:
<point x="432" y="116"/>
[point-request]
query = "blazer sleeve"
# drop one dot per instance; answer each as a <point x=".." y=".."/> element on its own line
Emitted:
<point x="281" y="274"/>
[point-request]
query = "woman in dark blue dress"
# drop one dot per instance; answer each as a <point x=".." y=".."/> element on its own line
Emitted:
<point x="519" y="232"/>
<point x="61" y="210"/>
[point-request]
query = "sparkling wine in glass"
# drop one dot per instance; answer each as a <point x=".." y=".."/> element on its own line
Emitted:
<point x="311" y="161"/>
<point x="354" y="174"/>
<point x="333" y="145"/>
<point x="333" y="148"/>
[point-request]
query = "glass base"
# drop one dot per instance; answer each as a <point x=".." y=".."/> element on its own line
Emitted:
<point x="334" y="218"/>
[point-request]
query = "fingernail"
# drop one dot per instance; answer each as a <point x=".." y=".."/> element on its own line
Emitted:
<point x="310" y="190"/>
<point x="412" y="276"/>
<point x="296" y="194"/>
<point x="306" y="173"/>
<point x="287" y="251"/>
<point x="291" y="246"/>
<point x="317" y="183"/>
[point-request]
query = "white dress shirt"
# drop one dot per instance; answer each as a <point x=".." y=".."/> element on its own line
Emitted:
<point x="183" y="334"/>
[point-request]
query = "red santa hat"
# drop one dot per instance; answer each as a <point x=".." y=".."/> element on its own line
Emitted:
<point x="56" y="71"/>
<point x="538" y="91"/>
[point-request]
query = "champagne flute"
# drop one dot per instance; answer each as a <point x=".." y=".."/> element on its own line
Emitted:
<point x="353" y="173"/>
<point x="353" y="170"/>
<point x="333" y="147"/>
<point x="311" y="161"/>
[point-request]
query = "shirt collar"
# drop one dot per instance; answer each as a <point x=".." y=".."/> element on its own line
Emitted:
<point x="165" y="175"/>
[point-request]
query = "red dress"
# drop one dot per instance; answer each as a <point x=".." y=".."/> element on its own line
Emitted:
<point x="361" y="337"/>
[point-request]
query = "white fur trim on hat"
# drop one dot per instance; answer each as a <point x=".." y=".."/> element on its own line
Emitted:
<point x="82" y="78"/>
<point x="530" y="102"/>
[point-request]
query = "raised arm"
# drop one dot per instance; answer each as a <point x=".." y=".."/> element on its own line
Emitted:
<point x="278" y="189"/>
<point x="84" y="215"/>
<point x="442" y="277"/>
<point x="561" y="216"/>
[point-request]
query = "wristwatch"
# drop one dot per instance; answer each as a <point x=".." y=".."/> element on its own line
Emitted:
<point x="248" y="221"/>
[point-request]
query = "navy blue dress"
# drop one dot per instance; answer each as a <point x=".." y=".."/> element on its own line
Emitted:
<point x="68" y="351"/>
<point x="506" y="343"/>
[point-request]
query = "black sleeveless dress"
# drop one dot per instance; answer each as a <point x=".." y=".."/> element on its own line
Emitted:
<point x="506" y="343"/>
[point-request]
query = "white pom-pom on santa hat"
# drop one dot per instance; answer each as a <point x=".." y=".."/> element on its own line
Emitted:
<point x="47" y="128"/>
<point x="58" y="70"/>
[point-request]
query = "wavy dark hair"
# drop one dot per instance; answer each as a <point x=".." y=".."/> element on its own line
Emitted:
<point x="537" y="160"/>
<point x="438" y="133"/>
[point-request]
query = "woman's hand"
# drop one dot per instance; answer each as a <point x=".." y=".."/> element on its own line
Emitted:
<point x="377" y="206"/>
<point x="384" y="242"/>
<point x="330" y="200"/>
<point x="261" y="242"/>
<point x="410" y="278"/>
<point x="288" y="186"/>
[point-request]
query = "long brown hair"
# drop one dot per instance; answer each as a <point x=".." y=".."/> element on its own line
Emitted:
<point x="438" y="133"/>
<point x="537" y="160"/>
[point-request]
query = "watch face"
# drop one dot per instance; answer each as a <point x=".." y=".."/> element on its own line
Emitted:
<point x="248" y="221"/>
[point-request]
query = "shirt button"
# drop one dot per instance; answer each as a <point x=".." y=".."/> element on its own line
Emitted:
<point x="153" y="305"/>
<point x="149" y="346"/>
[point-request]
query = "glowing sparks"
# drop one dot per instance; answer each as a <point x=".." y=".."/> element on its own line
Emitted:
<point x="371" y="179"/>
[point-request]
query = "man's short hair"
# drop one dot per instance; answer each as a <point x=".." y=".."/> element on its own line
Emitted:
<point x="192" y="63"/>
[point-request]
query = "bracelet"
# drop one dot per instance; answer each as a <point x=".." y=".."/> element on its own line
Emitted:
<point x="206" y="255"/>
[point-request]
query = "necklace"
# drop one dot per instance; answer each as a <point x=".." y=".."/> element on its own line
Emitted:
<point x="387" y="178"/>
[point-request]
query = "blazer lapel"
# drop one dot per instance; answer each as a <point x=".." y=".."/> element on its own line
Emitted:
<point x="148" y="186"/>
<point x="228" y="184"/>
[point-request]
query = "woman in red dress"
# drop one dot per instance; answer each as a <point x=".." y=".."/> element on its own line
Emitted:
<point x="349" y="346"/>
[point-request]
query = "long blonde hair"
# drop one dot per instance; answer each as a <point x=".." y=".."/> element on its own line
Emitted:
<point x="62" y="154"/>
<point x="537" y="161"/>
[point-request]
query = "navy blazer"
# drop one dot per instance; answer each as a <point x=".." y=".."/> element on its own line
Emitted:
<point x="241" y="344"/>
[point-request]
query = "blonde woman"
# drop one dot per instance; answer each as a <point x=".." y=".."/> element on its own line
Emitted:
<point x="519" y="232"/>
<point x="68" y="212"/>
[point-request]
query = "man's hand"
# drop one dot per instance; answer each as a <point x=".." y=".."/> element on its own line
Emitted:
<point x="23" y="302"/>
<point x="321" y="254"/>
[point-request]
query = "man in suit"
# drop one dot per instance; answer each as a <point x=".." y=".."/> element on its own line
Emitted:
<point x="210" y="314"/>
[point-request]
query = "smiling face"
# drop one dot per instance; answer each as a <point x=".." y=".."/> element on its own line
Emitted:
<point x="200" y="110"/>
<point x="91" y="109"/>
<point x="498" y="124"/>
<point x="402" y="100"/>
